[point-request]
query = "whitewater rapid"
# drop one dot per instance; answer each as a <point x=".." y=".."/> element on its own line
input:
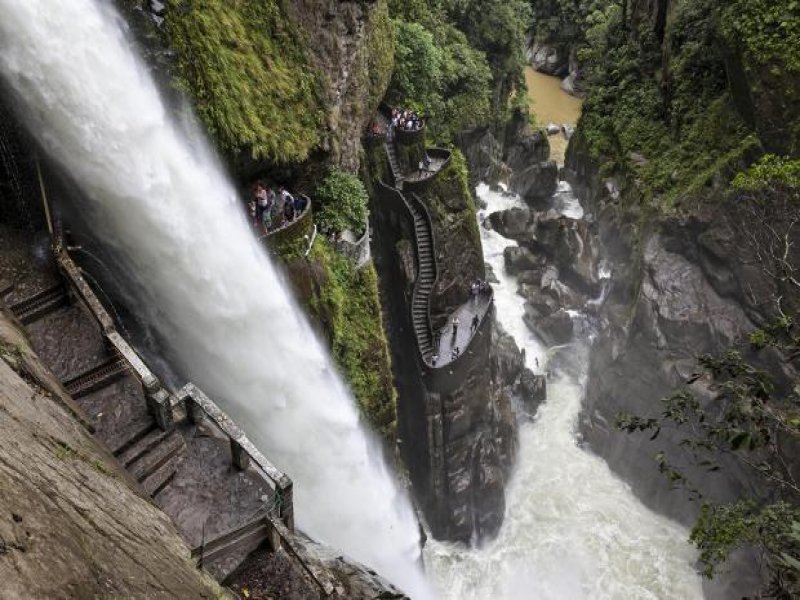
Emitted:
<point x="158" y="199"/>
<point x="572" y="529"/>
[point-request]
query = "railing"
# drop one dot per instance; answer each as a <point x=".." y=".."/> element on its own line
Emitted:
<point x="162" y="403"/>
<point x="296" y="229"/>
<point x="420" y="184"/>
<point x="243" y="451"/>
<point x="420" y="206"/>
<point x="357" y="251"/>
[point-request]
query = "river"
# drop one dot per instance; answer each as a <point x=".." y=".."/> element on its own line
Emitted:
<point x="572" y="529"/>
<point x="551" y="104"/>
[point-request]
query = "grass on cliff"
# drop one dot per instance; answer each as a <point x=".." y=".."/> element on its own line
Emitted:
<point x="349" y="307"/>
<point x="243" y="64"/>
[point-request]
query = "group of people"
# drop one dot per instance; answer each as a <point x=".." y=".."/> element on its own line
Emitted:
<point x="270" y="210"/>
<point x="478" y="287"/>
<point x="405" y="120"/>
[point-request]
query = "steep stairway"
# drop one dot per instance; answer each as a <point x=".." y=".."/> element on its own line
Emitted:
<point x="425" y="280"/>
<point x="152" y="457"/>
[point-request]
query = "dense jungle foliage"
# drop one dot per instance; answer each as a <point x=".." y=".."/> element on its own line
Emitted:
<point x="678" y="103"/>
<point x="458" y="61"/>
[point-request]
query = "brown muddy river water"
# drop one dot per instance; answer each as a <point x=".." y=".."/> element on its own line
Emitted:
<point x="551" y="104"/>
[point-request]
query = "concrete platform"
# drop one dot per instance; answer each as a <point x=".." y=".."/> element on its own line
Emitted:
<point x="474" y="306"/>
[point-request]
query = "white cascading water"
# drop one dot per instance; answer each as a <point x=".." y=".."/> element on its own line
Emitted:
<point x="200" y="276"/>
<point x="572" y="529"/>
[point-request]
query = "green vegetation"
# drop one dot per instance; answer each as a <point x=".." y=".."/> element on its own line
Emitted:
<point x="458" y="62"/>
<point x="667" y="111"/>
<point x="347" y="305"/>
<point x="244" y="66"/>
<point x="341" y="203"/>
<point x="768" y="30"/>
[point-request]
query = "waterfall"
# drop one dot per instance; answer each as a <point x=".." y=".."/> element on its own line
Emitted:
<point x="158" y="198"/>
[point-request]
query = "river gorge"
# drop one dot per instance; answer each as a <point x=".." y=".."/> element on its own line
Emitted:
<point x="306" y="299"/>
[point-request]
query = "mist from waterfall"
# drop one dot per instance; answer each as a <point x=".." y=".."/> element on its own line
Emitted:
<point x="199" y="276"/>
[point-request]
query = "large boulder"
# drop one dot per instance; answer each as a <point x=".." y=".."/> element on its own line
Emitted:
<point x="532" y="390"/>
<point x="484" y="155"/>
<point x="538" y="304"/>
<point x="535" y="182"/>
<point x="554" y="329"/>
<point x="548" y="59"/>
<point x="512" y="223"/>
<point x="521" y="259"/>
<point x="524" y="145"/>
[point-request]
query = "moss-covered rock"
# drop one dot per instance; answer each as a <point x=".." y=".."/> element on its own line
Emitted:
<point x="245" y="66"/>
<point x="344" y="303"/>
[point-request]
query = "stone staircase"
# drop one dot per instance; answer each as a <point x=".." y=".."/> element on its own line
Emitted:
<point x="391" y="152"/>
<point x="152" y="457"/>
<point x="425" y="280"/>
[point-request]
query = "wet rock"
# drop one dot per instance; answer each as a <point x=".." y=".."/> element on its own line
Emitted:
<point x="524" y="145"/>
<point x="484" y="154"/>
<point x="531" y="277"/>
<point x="554" y="329"/>
<point x="539" y="305"/>
<point x="512" y="223"/>
<point x="535" y="182"/>
<point x="490" y="275"/>
<point x="521" y="259"/>
<point x="548" y="59"/>
<point x="533" y="390"/>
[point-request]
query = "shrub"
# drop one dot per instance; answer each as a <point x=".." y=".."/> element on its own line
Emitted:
<point x="341" y="203"/>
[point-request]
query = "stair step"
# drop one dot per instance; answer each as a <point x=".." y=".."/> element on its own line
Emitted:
<point x="152" y="460"/>
<point x="142" y="446"/>
<point x="243" y="542"/>
<point x="40" y="304"/>
<point x="143" y="428"/>
<point x="97" y="378"/>
<point x="161" y="477"/>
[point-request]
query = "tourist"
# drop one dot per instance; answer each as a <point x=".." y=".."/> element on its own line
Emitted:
<point x="300" y="203"/>
<point x="455" y="353"/>
<point x="266" y="219"/>
<point x="253" y="208"/>
<point x="426" y="161"/>
<point x="475" y="322"/>
<point x="288" y="209"/>
<point x="455" y="326"/>
<point x="434" y="358"/>
<point x="437" y="338"/>
<point x="280" y="207"/>
<point x="262" y="200"/>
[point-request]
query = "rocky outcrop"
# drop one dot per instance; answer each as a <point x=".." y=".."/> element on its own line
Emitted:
<point x="536" y="182"/>
<point x="548" y="59"/>
<point x="73" y="525"/>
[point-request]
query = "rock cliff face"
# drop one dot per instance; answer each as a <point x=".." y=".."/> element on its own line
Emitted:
<point x="351" y="45"/>
<point x="73" y="525"/>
